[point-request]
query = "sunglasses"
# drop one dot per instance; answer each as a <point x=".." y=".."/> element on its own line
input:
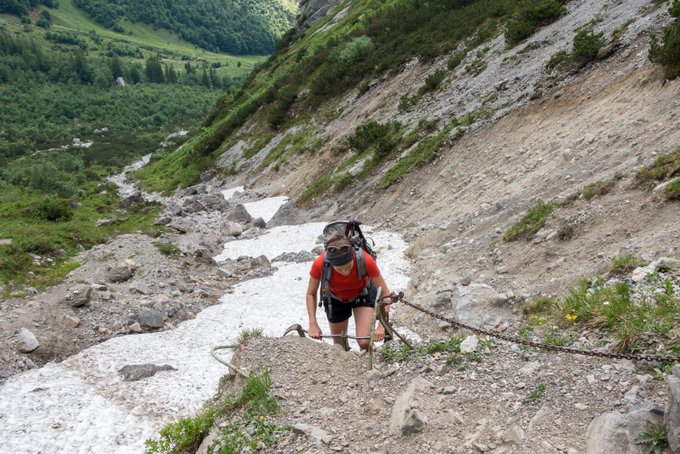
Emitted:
<point x="332" y="250"/>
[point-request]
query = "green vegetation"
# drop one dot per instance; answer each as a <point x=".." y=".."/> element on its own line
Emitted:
<point x="667" y="51"/>
<point x="52" y="187"/>
<point x="450" y="347"/>
<point x="54" y="227"/>
<point x="654" y="439"/>
<point x="530" y="222"/>
<point x="529" y="16"/>
<point x="625" y="263"/>
<point x="630" y="319"/>
<point x="586" y="46"/>
<point x="23" y="7"/>
<point x="371" y="39"/>
<point x="663" y="168"/>
<point x="234" y="26"/>
<point x="245" y="423"/>
<point x="168" y="249"/>
<point x="536" y="393"/>
<point x="249" y="334"/>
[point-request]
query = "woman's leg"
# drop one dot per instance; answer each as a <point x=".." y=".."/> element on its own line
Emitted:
<point x="363" y="318"/>
<point x="338" y="328"/>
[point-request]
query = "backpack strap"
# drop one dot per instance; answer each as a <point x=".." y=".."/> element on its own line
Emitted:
<point x="361" y="262"/>
<point x="324" y="288"/>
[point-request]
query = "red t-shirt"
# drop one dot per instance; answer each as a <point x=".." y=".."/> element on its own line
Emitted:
<point x="346" y="287"/>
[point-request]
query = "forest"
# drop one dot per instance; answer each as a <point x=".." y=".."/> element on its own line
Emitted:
<point x="235" y="26"/>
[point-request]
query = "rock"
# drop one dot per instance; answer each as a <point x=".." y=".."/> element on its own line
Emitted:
<point x="136" y="328"/>
<point x="443" y="299"/>
<point x="204" y="256"/>
<point x="230" y="228"/>
<point x="71" y="321"/>
<point x="26" y="341"/>
<point x="79" y="296"/>
<point x="150" y="318"/>
<point x="214" y="202"/>
<point x="120" y="82"/>
<point x="193" y="205"/>
<point x="317" y="434"/>
<point x="295" y="257"/>
<point x="132" y="200"/>
<point x="139" y="288"/>
<point x="239" y="214"/>
<point x="260" y="262"/>
<point x="373" y="376"/>
<point x="401" y="410"/>
<point x="414" y="422"/>
<point x="665" y="263"/>
<point x="639" y="274"/>
<point x="469" y="345"/>
<point x="30" y="291"/>
<point x="119" y="274"/>
<point x="616" y="432"/>
<point x="672" y="413"/>
<point x="259" y="223"/>
<point x="136" y="372"/>
<point x="514" y="435"/>
<point x="182" y="225"/>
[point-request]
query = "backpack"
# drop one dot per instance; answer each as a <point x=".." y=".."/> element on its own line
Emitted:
<point x="351" y="230"/>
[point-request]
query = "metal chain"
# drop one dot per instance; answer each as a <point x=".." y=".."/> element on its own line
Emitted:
<point x="519" y="340"/>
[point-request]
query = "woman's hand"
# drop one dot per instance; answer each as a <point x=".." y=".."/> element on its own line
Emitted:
<point x="379" y="332"/>
<point x="314" y="331"/>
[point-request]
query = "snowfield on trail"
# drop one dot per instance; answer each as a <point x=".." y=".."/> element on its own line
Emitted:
<point x="82" y="404"/>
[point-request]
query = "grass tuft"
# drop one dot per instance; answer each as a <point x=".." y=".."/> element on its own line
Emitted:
<point x="532" y="222"/>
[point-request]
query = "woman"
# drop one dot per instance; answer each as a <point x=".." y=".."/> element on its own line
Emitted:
<point x="349" y="293"/>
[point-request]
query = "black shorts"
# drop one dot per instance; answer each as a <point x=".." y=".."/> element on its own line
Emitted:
<point x="339" y="311"/>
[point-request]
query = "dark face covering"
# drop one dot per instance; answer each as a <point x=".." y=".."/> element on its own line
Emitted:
<point x="339" y="256"/>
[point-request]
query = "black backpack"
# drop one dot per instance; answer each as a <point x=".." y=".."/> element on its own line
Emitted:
<point x="351" y="230"/>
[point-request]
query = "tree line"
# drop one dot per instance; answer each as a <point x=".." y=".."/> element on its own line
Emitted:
<point x="234" y="26"/>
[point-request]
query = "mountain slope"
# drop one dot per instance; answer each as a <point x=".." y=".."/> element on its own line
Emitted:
<point x="233" y="26"/>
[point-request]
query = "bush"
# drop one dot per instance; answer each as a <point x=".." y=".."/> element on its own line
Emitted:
<point x="54" y="209"/>
<point x="433" y="81"/>
<point x="586" y="46"/>
<point x="373" y="135"/>
<point x="667" y="53"/>
<point x="531" y="15"/>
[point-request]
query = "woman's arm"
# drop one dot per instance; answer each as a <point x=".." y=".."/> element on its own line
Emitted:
<point x="314" y="330"/>
<point x="380" y="283"/>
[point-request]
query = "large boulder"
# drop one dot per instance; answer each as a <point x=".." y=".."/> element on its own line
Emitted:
<point x="616" y="432"/>
<point x="215" y="202"/>
<point x="78" y="296"/>
<point x="150" y="318"/>
<point x="239" y="214"/>
<point x="120" y="274"/>
<point x="672" y="414"/>
<point x="230" y="228"/>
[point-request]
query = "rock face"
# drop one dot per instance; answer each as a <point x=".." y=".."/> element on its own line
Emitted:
<point x="26" y="341"/>
<point x="672" y="415"/>
<point x="616" y="432"/>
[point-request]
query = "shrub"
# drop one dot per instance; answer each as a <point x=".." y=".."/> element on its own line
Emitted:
<point x="586" y="46"/>
<point x="664" y="167"/>
<point x="433" y="81"/>
<point x="167" y="249"/>
<point x="372" y="135"/>
<point x="667" y="53"/>
<point x="531" y="14"/>
<point x="54" y="209"/>
<point x="456" y="60"/>
<point x="673" y="190"/>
